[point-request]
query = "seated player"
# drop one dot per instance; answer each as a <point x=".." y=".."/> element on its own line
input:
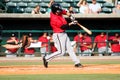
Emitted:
<point x="13" y="41"/>
<point x="44" y="40"/>
<point x="30" y="51"/>
<point x="101" y="42"/>
<point x="84" y="44"/>
<point x="25" y="43"/>
<point x="115" y="44"/>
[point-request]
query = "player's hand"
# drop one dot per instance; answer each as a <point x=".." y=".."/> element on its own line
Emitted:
<point x="35" y="40"/>
<point x="72" y="23"/>
<point x="72" y="18"/>
<point x="48" y="37"/>
<point x="75" y="21"/>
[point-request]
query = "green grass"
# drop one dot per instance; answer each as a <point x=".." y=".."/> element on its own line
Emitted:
<point x="61" y="62"/>
<point x="62" y="77"/>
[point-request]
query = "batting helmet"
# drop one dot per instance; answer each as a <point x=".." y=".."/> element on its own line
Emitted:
<point x="56" y="8"/>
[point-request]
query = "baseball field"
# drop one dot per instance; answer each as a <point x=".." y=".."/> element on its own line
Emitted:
<point x="62" y="68"/>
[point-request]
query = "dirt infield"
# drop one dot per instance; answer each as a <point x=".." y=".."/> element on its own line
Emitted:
<point x="61" y="69"/>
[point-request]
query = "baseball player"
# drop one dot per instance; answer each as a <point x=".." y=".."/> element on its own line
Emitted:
<point x="13" y="41"/>
<point x="100" y="41"/>
<point x="30" y="52"/>
<point x="60" y="38"/>
<point x="115" y="44"/>
<point x="44" y="41"/>
<point x="84" y="42"/>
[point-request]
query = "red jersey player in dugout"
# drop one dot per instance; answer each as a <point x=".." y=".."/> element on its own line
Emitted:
<point x="14" y="41"/>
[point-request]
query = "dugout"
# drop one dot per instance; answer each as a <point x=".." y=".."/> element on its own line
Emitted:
<point x="41" y="21"/>
<point x="37" y="24"/>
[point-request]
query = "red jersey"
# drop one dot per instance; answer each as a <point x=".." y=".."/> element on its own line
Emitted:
<point x="44" y="41"/>
<point x="57" y="21"/>
<point x="83" y="42"/>
<point x="101" y="41"/>
<point x="52" y="46"/>
<point x="29" y="50"/>
<point x="87" y="41"/>
<point x="53" y="49"/>
<point x="77" y="38"/>
<point x="15" y="49"/>
<point x="115" y="46"/>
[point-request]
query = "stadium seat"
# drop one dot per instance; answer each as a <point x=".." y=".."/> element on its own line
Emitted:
<point x="22" y="4"/>
<point x="69" y="1"/>
<point x="65" y="5"/>
<point x="74" y="5"/>
<point x="76" y="10"/>
<point x="43" y="4"/>
<point x="37" y="1"/>
<point x="109" y="5"/>
<point x="58" y="1"/>
<point x="11" y="10"/>
<point x="101" y="4"/>
<point x="89" y="1"/>
<point x="32" y="4"/>
<point x="118" y="1"/>
<point x="20" y="10"/>
<point x="46" y="1"/>
<point x="76" y="1"/>
<point x="43" y="10"/>
<point x="106" y="10"/>
<point x="27" y="1"/>
<point x="16" y="1"/>
<point x="101" y="1"/>
<point x="28" y="10"/>
<point x="11" y="4"/>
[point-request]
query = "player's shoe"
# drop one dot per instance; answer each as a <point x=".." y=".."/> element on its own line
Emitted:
<point x="78" y="65"/>
<point x="45" y="63"/>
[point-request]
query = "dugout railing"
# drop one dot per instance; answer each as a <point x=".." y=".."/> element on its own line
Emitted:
<point x="37" y="33"/>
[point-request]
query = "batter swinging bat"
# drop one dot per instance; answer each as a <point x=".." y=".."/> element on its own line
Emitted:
<point x="84" y="28"/>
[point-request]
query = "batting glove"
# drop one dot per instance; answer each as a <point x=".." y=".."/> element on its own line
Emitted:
<point x="75" y="21"/>
<point x="72" y="18"/>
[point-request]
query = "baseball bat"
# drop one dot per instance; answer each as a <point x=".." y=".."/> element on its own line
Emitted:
<point x="84" y="28"/>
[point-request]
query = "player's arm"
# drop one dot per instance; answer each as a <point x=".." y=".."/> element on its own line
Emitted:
<point x="94" y="45"/>
<point x="89" y="46"/>
<point x="9" y="46"/>
<point x="12" y="41"/>
<point x="109" y="44"/>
